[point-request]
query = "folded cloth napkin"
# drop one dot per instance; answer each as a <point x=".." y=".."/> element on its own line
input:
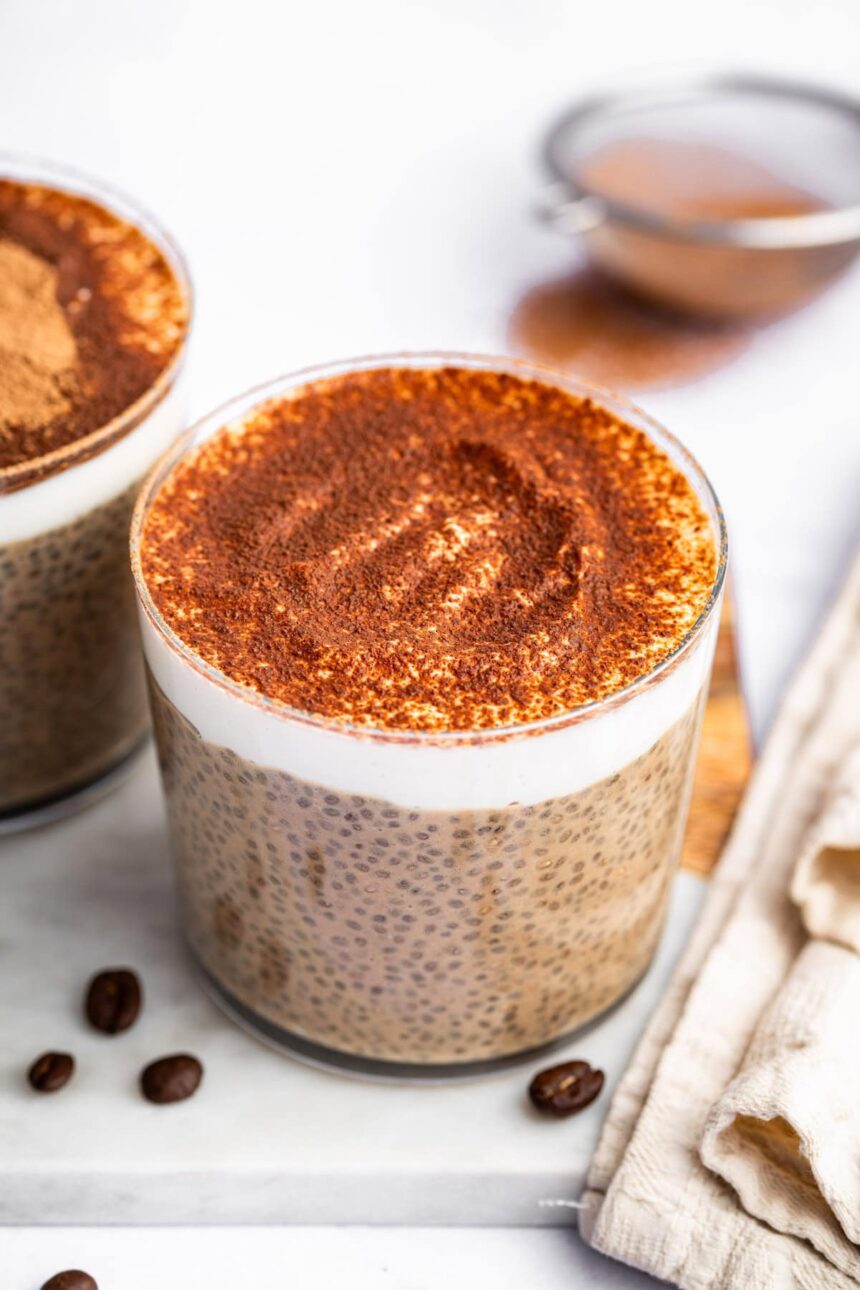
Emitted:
<point x="786" y="1134"/>
<point x="826" y="884"/>
<point x="711" y="1067"/>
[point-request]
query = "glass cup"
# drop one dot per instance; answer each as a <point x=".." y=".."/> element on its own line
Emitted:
<point x="410" y="904"/>
<point x="73" y="707"/>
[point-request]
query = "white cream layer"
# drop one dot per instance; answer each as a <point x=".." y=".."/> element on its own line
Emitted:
<point x="63" y="498"/>
<point x="423" y="775"/>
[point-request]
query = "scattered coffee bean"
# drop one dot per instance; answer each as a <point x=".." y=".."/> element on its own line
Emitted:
<point x="113" y="1000"/>
<point x="71" y="1280"/>
<point x="171" y="1079"/>
<point x="566" y="1088"/>
<point x="51" y="1071"/>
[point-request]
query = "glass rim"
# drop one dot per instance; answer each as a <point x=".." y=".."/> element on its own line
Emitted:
<point x="241" y="405"/>
<point x="832" y="225"/>
<point x="26" y="168"/>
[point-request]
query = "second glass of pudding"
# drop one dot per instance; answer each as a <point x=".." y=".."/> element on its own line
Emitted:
<point x="95" y="312"/>
<point x="428" y="639"/>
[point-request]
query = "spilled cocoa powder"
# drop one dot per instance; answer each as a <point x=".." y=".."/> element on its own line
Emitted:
<point x="587" y="324"/>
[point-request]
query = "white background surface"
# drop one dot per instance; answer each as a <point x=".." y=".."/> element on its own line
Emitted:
<point x="354" y="177"/>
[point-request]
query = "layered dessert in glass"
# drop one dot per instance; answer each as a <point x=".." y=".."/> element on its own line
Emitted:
<point x="94" y="316"/>
<point x="428" y="641"/>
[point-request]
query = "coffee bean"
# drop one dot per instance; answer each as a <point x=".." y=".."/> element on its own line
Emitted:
<point x="564" y="1089"/>
<point x="71" y="1280"/>
<point x="171" y="1079"/>
<point x="51" y="1071"/>
<point x="114" y="999"/>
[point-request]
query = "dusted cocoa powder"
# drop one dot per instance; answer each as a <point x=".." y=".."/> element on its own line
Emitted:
<point x="441" y="549"/>
<point x="37" y="347"/>
<point x="90" y="314"/>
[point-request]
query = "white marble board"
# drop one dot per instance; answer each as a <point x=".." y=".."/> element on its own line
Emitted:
<point x="266" y="1139"/>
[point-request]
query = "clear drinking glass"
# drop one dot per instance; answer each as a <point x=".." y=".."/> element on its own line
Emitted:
<point x="411" y="904"/>
<point x="73" y="707"/>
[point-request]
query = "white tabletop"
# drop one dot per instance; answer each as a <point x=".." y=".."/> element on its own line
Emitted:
<point x="350" y="178"/>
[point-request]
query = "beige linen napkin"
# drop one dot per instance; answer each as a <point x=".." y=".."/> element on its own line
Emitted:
<point x="786" y="1134"/>
<point x="826" y="884"/>
<point x="650" y="1200"/>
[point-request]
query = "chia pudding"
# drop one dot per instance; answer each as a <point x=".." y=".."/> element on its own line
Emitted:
<point x="428" y="643"/>
<point x="94" y="312"/>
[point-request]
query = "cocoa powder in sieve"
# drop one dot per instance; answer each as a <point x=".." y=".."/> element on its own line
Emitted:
<point x="593" y="326"/>
<point x="691" y="181"/>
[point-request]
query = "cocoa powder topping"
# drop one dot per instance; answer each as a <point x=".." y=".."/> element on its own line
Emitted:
<point x="90" y="314"/>
<point x="440" y="549"/>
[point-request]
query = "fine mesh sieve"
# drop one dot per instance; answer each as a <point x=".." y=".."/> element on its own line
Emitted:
<point x="729" y="263"/>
